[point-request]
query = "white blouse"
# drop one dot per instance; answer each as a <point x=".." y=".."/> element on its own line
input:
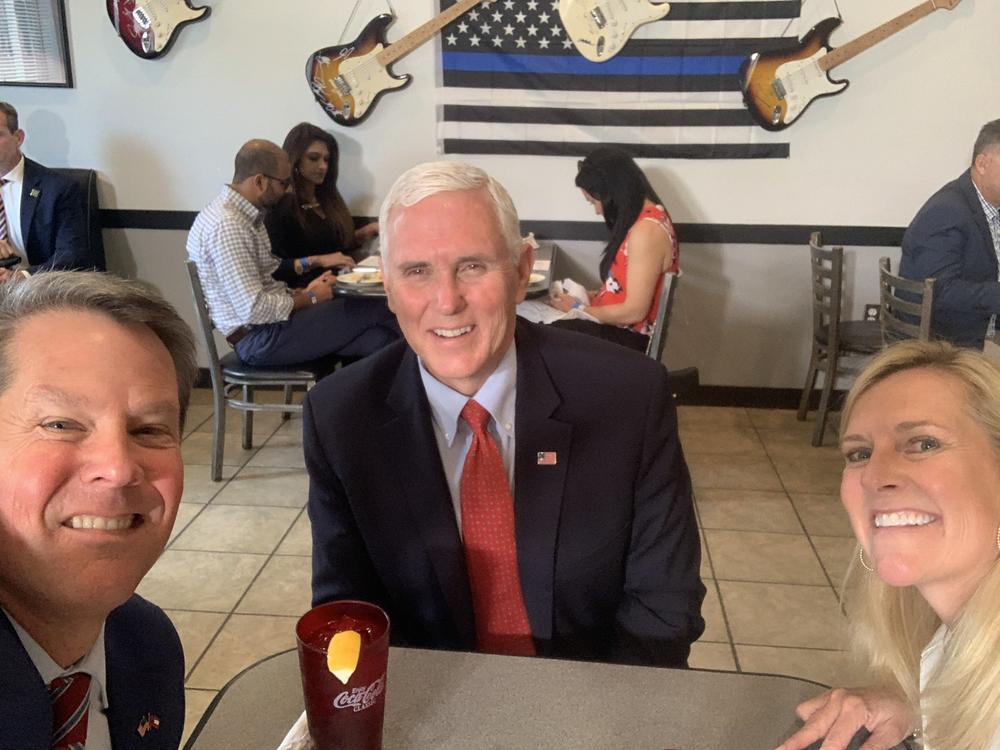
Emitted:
<point x="929" y="660"/>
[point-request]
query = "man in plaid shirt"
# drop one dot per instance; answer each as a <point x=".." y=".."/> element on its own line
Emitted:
<point x="263" y="320"/>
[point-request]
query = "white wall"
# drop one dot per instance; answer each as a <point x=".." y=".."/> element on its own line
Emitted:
<point x="162" y="135"/>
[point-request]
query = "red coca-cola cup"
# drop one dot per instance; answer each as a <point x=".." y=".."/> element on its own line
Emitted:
<point x="345" y="707"/>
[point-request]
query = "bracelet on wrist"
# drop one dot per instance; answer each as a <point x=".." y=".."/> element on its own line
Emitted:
<point x="304" y="262"/>
<point x="313" y="299"/>
<point x="576" y="305"/>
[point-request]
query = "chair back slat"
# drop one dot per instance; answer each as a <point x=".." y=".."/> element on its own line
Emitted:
<point x="827" y="268"/>
<point x="906" y="306"/>
<point x="658" y="339"/>
<point x="204" y="323"/>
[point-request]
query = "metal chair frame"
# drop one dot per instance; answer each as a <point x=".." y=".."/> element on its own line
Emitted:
<point x="233" y="382"/>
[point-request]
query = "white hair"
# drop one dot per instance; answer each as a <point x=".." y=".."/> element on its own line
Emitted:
<point x="430" y="178"/>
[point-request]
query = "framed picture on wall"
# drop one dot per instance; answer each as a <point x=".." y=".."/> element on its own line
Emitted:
<point x="34" y="44"/>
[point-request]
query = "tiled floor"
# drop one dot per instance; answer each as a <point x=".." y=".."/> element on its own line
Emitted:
<point x="776" y="544"/>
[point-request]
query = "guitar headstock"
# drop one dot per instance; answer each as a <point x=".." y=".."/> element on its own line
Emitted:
<point x="946" y="4"/>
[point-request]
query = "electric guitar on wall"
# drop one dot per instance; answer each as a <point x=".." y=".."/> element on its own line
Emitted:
<point x="600" y="28"/>
<point x="778" y="86"/>
<point x="349" y="79"/>
<point x="148" y="26"/>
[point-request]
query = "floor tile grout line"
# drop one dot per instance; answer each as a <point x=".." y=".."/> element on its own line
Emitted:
<point x="239" y="601"/>
<point x="795" y="510"/>
<point x="718" y="591"/>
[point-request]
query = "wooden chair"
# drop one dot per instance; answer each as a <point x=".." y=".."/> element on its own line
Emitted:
<point x="905" y="306"/>
<point x="233" y="382"/>
<point x="832" y="337"/>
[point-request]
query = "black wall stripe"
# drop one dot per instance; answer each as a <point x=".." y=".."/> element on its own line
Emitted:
<point x="639" y="150"/>
<point x="598" y="117"/>
<point x="580" y="231"/>
<point x="568" y="82"/>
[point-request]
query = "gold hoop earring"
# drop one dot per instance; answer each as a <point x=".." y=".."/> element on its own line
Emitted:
<point x="861" y="555"/>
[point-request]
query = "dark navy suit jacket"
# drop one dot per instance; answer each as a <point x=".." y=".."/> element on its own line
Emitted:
<point x="52" y="222"/>
<point x="145" y="673"/>
<point x="607" y="545"/>
<point x="949" y="240"/>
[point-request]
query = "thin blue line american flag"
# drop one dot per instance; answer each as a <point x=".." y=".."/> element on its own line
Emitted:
<point x="512" y="82"/>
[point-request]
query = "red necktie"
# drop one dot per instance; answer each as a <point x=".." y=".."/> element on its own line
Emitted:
<point x="70" y="698"/>
<point x="502" y="625"/>
<point x="3" y="214"/>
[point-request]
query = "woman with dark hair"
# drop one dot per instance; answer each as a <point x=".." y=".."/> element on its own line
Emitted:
<point x="641" y="249"/>
<point x="311" y="228"/>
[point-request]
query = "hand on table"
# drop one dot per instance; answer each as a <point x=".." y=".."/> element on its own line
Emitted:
<point x="334" y="260"/>
<point x="838" y="714"/>
<point x="562" y="302"/>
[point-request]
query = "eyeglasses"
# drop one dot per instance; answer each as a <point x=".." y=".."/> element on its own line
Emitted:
<point x="284" y="183"/>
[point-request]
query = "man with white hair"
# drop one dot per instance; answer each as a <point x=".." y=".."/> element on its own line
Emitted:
<point x="493" y="484"/>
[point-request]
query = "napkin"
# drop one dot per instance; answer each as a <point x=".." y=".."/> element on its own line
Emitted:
<point x="298" y="736"/>
<point x="538" y="311"/>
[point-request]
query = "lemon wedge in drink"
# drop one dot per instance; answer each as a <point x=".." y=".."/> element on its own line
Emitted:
<point x="342" y="654"/>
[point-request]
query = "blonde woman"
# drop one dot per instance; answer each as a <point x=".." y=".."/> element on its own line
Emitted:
<point x="921" y="484"/>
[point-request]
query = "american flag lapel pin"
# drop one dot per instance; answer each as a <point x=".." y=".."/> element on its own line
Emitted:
<point x="547" y="458"/>
<point x="35" y="192"/>
<point x="147" y="724"/>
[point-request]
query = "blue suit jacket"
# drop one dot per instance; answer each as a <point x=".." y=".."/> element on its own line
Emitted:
<point x="949" y="240"/>
<point x="145" y="673"/>
<point x="52" y="222"/>
<point x="607" y="545"/>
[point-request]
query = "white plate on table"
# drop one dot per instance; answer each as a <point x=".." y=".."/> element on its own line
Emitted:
<point x="361" y="277"/>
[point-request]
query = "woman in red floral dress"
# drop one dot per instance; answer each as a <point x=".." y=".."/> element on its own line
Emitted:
<point x="641" y="249"/>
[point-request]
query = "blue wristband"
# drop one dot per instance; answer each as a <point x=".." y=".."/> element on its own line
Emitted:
<point x="304" y="262"/>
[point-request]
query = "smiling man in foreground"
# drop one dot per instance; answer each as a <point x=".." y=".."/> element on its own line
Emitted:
<point x="95" y="375"/>
<point x="492" y="484"/>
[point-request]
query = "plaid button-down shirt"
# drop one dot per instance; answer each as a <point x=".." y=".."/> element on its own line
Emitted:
<point x="993" y="220"/>
<point x="229" y="244"/>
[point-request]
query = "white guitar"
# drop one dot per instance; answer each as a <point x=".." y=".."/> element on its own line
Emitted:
<point x="779" y="85"/>
<point x="600" y="28"/>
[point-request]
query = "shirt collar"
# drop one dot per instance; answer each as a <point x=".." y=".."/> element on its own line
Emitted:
<point x="497" y="395"/>
<point x="241" y="204"/>
<point x="992" y="212"/>
<point x="17" y="173"/>
<point x="93" y="663"/>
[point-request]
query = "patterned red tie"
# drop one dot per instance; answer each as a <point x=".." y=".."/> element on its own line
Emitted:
<point x="70" y="698"/>
<point x="502" y="625"/>
<point x="3" y="214"/>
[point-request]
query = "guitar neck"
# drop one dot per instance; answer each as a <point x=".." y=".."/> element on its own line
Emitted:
<point x="424" y="32"/>
<point x="876" y="35"/>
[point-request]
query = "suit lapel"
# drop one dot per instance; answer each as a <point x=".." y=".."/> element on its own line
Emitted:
<point x="407" y="441"/>
<point x="25" y="711"/>
<point x="538" y="487"/>
<point x="32" y="181"/>
<point x="972" y="197"/>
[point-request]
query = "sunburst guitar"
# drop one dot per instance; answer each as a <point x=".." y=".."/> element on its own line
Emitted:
<point x="600" y="28"/>
<point x="779" y="86"/>
<point x="348" y="80"/>
<point x="149" y="27"/>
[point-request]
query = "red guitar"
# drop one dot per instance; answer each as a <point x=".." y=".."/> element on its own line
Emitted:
<point x="148" y="26"/>
<point x="349" y="79"/>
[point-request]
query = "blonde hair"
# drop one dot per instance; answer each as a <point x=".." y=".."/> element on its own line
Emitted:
<point x="892" y="625"/>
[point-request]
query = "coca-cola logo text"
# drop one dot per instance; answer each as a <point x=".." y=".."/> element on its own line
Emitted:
<point x="360" y="698"/>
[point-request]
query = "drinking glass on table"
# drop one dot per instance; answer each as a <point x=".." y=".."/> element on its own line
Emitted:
<point x="343" y="653"/>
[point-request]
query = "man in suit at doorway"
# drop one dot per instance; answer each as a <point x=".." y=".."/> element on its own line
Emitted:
<point x="494" y="484"/>
<point x="41" y="212"/>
